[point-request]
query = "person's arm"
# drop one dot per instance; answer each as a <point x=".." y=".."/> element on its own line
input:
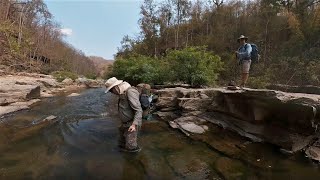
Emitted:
<point x="246" y="53"/>
<point x="133" y="97"/>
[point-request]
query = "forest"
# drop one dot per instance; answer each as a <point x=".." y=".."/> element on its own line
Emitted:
<point x="183" y="41"/>
<point x="31" y="41"/>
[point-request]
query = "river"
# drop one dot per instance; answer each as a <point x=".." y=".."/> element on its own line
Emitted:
<point x="83" y="145"/>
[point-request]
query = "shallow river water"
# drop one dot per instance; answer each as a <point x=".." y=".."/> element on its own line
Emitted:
<point x="83" y="145"/>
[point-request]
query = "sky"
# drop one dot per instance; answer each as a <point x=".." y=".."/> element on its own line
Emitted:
<point x="96" y="27"/>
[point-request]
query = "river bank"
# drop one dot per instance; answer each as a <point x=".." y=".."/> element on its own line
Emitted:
<point x="20" y="91"/>
<point x="287" y="120"/>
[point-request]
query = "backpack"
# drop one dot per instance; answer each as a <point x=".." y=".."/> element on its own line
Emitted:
<point x="144" y="101"/>
<point x="144" y="95"/>
<point x="255" y="56"/>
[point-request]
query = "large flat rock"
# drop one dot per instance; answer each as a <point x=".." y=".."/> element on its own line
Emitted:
<point x="17" y="106"/>
<point x="287" y="120"/>
<point x="293" y="111"/>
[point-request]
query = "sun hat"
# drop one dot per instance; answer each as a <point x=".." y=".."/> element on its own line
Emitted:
<point x="242" y="37"/>
<point x="112" y="82"/>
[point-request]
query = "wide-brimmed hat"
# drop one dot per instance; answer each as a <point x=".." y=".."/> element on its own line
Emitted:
<point x="242" y="37"/>
<point x="112" y="82"/>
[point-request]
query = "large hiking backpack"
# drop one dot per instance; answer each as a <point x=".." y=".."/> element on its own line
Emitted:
<point x="145" y="95"/>
<point x="255" y="56"/>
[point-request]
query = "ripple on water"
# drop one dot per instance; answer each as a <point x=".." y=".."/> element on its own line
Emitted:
<point x="83" y="145"/>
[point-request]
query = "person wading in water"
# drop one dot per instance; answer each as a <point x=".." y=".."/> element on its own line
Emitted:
<point x="130" y="112"/>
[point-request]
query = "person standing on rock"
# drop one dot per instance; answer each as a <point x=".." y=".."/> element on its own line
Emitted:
<point x="130" y="111"/>
<point x="244" y="58"/>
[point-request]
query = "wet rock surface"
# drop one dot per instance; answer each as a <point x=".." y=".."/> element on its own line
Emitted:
<point x="287" y="120"/>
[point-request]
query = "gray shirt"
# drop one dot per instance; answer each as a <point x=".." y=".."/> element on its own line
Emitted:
<point x="130" y="108"/>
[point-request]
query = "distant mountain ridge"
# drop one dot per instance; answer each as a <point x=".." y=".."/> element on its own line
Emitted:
<point x="100" y="64"/>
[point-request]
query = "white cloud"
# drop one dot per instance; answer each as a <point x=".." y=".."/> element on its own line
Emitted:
<point x="66" y="31"/>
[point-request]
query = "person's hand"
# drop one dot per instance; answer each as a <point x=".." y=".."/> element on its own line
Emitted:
<point x="132" y="128"/>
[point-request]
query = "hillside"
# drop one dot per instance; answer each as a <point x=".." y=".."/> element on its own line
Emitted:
<point x="101" y="65"/>
<point x="35" y="43"/>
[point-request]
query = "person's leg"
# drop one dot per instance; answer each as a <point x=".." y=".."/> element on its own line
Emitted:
<point x="132" y="140"/>
<point x="122" y="137"/>
<point x="245" y="72"/>
<point x="245" y="77"/>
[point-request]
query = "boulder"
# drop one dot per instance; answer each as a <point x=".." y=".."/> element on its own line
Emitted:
<point x="81" y="80"/>
<point x="167" y="116"/>
<point x="194" y="104"/>
<point x="191" y="124"/>
<point x="67" y="81"/>
<point x="94" y="83"/>
<point x="167" y="102"/>
<point x="313" y="153"/>
<point x="33" y="93"/>
<point x="192" y="127"/>
<point x="16" y="91"/>
<point x="49" y="83"/>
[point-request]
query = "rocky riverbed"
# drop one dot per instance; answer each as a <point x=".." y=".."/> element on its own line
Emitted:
<point x="80" y="142"/>
<point x="20" y="91"/>
<point x="287" y="120"/>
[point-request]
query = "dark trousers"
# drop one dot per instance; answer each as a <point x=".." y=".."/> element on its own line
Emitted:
<point x="128" y="140"/>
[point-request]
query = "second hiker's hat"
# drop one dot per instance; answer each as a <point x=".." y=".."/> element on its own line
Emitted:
<point x="242" y="37"/>
<point x="112" y="82"/>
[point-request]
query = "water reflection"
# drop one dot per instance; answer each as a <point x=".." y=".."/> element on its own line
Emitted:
<point x="83" y="145"/>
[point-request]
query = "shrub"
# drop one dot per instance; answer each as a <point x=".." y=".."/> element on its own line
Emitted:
<point x="195" y="66"/>
<point x="61" y="75"/>
<point x="91" y="76"/>
<point x="137" y="68"/>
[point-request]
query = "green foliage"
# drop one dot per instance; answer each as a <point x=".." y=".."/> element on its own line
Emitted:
<point x="138" y="68"/>
<point x="91" y="76"/>
<point x="286" y="32"/>
<point x="192" y="65"/>
<point x="61" y="75"/>
<point x="258" y="82"/>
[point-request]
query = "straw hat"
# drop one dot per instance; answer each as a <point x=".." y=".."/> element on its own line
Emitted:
<point x="242" y="37"/>
<point x="112" y="82"/>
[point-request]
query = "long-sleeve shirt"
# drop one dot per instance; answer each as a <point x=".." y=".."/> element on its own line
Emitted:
<point x="130" y="108"/>
<point x="244" y="52"/>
